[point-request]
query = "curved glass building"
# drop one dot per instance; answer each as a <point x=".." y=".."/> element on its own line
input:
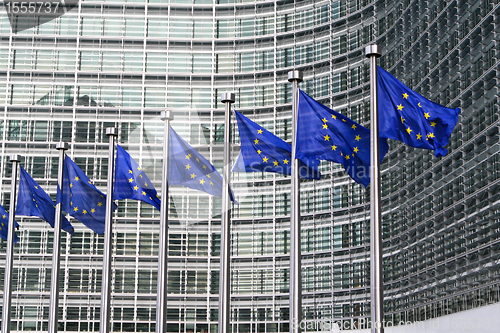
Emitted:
<point x="120" y="63"/>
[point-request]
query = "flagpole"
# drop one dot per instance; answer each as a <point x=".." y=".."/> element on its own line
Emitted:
<point x="9" y="256"/>
<point x="225" y="254"/>
<point x="295" y="77"/>
<point x="56" y="251"/>
<point x="161" y="299"/>
<point x="376" y="273"/>
<point x="104" y="326"/>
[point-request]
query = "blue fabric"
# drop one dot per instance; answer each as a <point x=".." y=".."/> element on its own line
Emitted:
<point x="411" y="118"/>
<point x="189" y="168"/>
<point x="262" y="151"/>
<point x="81" y="199"/>
<point x="324" y="134"/>
<point x="33" y="201"/>
<point x="131" y="182"/>
<point x="4" y="225"/>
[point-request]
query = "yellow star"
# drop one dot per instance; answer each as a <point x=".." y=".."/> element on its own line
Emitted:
<point x="139" y="168"/>
<point x="131" y="180"/>
<point x="402" y="119"/>
<point x="433" y="124"/>
<point x="353" y="126"/>
<point x="256" y="141"/>
<point x="419" y="136"/>
<point x="285" y="161"/>
<point x="71" y="185"/>
<point x="275" y="163"/>
<point x="188" y="156"/>
<point x="90" y="182"/>
<point x="405" y="96"/>
<point x="431" y="135"/>
<point x="75" y="209"/>
<point x="347" y="157"/>
<point x="419" y="105"/>
<point x="92" y="210"/>
<point x="140" y="176"/>
<point x="130" y="171"/>
<point x="334" y="116"/>
<point x="77" y="178"/>
<point x="71" y="203"/>
<point x="356" y="149"/>
<point x="143" y="193"/>
<point x="84" y="212"/>
<point x="204" y="166"/>
<point x="325" y="126"/>
<point x="259" y="151"/>
<point x="334" y="147"/>
<point x="136" y="188"/>
<point x="327" y="138"/>
<point x="343" y="120"/>
<point x="202" y="181"/>
<point x="193" y="176"/>
<point x="3" y="216"/>
<point x="145" y="184"/>
<point x="324" y="120"/>
<point x="357" y="138"/>
<point x="409" y="130"/>
<point x="211" y="183"/>
<point x="208" y="176"/>
<point x="188" y="166"/>
<point x="259" y="131"/>
<point x="265" y="159"/>
<point x="197" y="160"/>
<point x="426" y="115"/>
<point x="99" y="204"/>
<point x="400" y="107"/>
<point x="36" y="187"/>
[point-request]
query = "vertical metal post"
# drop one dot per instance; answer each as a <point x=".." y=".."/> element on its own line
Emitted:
<point x="56" y="251"/>
<point x="295" y="77"/>
<point x="105" y="324"/>
<point x="9" y="256"/>
<point x="161" y="299"/>
<point x="225" y="234"/>
<point x="376" y="273"/>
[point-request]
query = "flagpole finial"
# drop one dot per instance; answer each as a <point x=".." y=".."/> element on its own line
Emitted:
<point x="166" y="115"/>
<point x="111" y="131"/>
<point x="373" y="50"/>
<point x="295" y="75"/>
<point x="227" y="98"/>
<point x="62" y="146"/>
<point x="15" y="158"/>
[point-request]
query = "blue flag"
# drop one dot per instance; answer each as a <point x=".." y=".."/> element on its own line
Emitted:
<point x="324" y="134"/>
<point x="81" y="198"/>
<point x="131" y="182"/>
<point x="263" y="151"/>
<point x="33" y="201"/>
<point x="411" y="118"/>
<point x="4" y="225"/>
<point x="189" y="168"/>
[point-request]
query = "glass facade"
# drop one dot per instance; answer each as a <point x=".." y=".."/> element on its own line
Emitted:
<point x="120" y="63"/>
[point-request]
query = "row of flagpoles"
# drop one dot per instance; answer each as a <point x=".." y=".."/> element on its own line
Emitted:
<point x="318" y="133"/>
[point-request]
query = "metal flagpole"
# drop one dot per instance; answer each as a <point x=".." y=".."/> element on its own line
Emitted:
<point x="376" y="274"/>
<point x="104" y="326"/>
<point x="161" y="300"/>
<point x="225" y="238"/>
<point x="9" y="256"/>
<point x="295" y="77"/>
<point x="56" y="251"/>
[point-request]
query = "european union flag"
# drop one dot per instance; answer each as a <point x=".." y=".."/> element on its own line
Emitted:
<point x="263" y="151"/>
<point x="189" y="168"/>
<point x="81" y="198"/>
<point x="407" y="116"/>
<point x="4" y="224"/>
<point x="324" y="134"/>
<point x="33" y="201"/>
<point x="131" y="182"/>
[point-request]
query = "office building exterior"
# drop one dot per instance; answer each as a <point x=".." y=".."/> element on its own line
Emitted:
<point x="120" y="63"/>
